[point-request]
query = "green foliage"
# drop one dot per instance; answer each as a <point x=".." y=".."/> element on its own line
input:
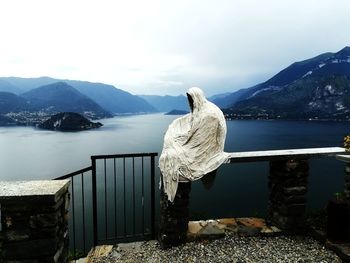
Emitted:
<point x="339" y="195"/>
<point x="347" y="142"/>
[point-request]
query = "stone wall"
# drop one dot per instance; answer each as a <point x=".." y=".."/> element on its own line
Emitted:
<point x="287" y="202"/>
<point x="288" y="179"/>
<point x="347" y="181"/>
<point x="34" y="217"/>
<point x="288" y="187"/>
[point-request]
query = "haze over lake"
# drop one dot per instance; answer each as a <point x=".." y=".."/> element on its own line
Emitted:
<point x="27" y="153"/>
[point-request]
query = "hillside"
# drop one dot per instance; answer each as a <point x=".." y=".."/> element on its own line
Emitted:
<point x="10" y="102"/>
<point x="6" y="121"/>
<point x="317" y="88"/>
<point x="107" y="96"/>
<point x="6" y="86"/>
<point x="286" y="76"/>
<point x="177" y="112"/>
<point x="112" y="99"/>
<point x="61" y="97"/>
<point x="68" y="121"/>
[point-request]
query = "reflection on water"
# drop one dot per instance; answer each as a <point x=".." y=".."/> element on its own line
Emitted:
<point x="239" y="189"/>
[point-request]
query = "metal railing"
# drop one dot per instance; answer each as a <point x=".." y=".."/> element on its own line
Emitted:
<point x="112" y="201"/>
<point x="0" y="223"/>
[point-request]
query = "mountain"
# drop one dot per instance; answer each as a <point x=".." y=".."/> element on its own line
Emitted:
<point x="107" y="96"/>
<point x="27" y="84"/>
<point x="288" y="75"/>
<point x="224" y="102"/>
<point x="68" y="121"/>
<point x="112" y="99"/>
<point x="10" y="102"/>
<point x="6" y="86"/>
<point x="167" y="103"/>
<point x="61" y="97"/>
<point x="176" y="112"/>
<point x="219" y="96"/>
<point x="317" y="88"/>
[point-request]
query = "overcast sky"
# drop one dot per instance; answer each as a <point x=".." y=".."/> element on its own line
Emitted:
<point x="165" y="47"/>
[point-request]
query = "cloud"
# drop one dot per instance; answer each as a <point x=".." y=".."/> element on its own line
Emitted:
<point x="160" y="46"/>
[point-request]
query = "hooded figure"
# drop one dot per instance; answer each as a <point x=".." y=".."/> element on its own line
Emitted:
<point x="193" y="144"/>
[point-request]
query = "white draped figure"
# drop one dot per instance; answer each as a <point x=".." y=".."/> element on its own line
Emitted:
<point x="193" y="144"/>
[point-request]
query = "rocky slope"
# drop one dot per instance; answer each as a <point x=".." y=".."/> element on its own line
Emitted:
<point x="317" y="88"/>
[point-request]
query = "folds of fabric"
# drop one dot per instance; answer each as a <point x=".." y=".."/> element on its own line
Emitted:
<point x="193" y="144"/>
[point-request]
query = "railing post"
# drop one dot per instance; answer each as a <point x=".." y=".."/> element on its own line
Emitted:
<point x="153" y="210"/>
<point x="288" y="188"/>
<point x="94" y="201"/>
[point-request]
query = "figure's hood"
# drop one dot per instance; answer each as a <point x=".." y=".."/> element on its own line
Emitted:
<point x="198" y="98"/>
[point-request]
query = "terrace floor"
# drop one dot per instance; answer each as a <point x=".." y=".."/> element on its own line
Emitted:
<point x="241" y="240"/>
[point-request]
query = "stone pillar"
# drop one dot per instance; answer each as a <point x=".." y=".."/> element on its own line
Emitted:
<point x="174" y="217"/>
<point x="288" y="187"/>
<point x="34" y="220"/>
<point x="346" y="160"/>
<point x="347" y="181"/>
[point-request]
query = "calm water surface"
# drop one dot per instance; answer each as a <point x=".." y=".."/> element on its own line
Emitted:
<point x="240" y="189"/>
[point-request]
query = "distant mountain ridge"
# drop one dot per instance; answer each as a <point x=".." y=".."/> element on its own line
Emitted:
<point x="10" y="102"/>
<point x="6" y="86"/>
<point x="61" y="97"/>
<point x="37" y="105"/>
<point x="110" y="98"/>
<point x="167" y="103"/>
<point x="177" y="112"/>
<point x="316" y="88"/>
<point x="285" y="76"/>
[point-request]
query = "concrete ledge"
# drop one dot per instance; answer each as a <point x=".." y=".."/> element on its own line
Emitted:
<point x="271" y="155"/>
<point x="34" y="221"/>
<point x="343" y="158"/>
<point x="48" y="190"/>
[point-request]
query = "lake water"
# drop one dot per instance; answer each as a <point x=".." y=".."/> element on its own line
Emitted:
<point x="240" y="189"/>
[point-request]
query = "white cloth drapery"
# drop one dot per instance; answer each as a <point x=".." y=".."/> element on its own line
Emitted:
<point x="193" y="144"/>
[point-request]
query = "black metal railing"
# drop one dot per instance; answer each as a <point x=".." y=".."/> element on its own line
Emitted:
<point x="112" y="201"/>
<point x="0" y="223"/>
<point x="80" y="223"/>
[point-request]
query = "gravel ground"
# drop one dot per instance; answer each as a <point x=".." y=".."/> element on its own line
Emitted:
<point x="232" y="248"/>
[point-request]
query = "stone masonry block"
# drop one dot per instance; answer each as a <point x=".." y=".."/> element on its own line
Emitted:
<point x="288" y="188"/>
<point x="297" y="190"/>
<point x="293" y="209"/>
<point x="34" y="223"/>
<point x="44" y="220"/>
<point x="30" y="249"/>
